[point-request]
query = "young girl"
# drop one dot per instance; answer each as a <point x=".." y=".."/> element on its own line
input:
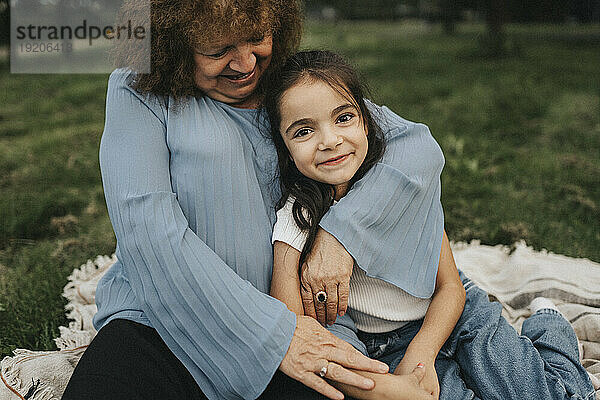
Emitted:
<point x="327" y="140"/>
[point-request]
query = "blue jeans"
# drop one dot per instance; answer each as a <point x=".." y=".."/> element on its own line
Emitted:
<point x="485" y="358"/>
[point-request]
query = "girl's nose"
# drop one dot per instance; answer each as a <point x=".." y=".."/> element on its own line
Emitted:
<point x="330" y="140"/>
<point x="244" y="59"/>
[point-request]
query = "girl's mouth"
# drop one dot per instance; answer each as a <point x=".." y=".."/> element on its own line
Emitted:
<point x="336" y="160"/>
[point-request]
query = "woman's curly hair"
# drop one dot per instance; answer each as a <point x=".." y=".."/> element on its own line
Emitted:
<point x="179" y="27"/>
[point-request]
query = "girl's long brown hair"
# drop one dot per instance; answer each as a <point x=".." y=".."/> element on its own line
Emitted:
<point x="312" y="198"/>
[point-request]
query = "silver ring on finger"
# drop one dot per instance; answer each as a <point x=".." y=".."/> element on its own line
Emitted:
<point x="323" y="371"/>
<point x="321" y="297"/>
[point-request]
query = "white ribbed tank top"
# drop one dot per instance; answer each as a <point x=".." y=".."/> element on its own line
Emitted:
<point x="375" y="305"/>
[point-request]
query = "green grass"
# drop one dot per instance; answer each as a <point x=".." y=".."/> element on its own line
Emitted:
<point x="521" y="136"/>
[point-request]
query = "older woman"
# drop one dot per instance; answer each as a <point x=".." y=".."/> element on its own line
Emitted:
<point x="189" y="184"/>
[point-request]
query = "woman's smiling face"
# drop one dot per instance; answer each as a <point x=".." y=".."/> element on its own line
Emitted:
<point x="324" y="133"/>
<point x="229" y="71"/>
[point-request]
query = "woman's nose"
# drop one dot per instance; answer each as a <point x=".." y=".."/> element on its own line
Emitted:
<point x="330" y="139"/>
<point x="244" y="59"/>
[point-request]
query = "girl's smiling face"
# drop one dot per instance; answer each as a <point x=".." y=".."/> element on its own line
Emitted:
<point x="324" y="132"/>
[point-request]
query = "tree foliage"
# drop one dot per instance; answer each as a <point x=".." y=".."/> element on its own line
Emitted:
<point x="4" y="23"/>
<point x="449" y="11"/>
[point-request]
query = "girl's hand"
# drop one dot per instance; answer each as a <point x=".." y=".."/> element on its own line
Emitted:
<point x="314" y="349"/>
<point x="430" y="379"/>
<point x="410" y="387"/>
<point x="391" y="387"/>
<point x="327" y="268"/>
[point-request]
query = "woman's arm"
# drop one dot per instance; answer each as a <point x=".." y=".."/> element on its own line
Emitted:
<point x="444" y="311"/>
<point x="285" y="286"/>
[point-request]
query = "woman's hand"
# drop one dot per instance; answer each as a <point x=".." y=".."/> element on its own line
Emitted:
<point x="327" y="268"/>
<point x="314" y="349"/>
<point x="430" y="380"/>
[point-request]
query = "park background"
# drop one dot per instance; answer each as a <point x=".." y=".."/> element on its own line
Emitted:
<point x="510" y="90"/>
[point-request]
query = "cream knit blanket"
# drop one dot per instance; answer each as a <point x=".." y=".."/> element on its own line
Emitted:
<point x="513" y="278"/>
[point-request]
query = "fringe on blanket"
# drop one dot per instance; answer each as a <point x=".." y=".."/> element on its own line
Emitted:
<point x="30" y="390"/>
<point x="53" y="366"/>
<point x="57" y="366"/>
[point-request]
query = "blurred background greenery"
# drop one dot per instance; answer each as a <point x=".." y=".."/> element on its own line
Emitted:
<point x="512" y="96"/>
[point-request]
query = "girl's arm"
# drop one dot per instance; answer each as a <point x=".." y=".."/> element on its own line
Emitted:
<point x="285" y="283"/>
<point x="444" y="311"/>
<point x="285" y="286"/>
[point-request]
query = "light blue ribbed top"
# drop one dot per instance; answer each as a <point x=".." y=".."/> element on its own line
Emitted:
<point x="191" y="194"/>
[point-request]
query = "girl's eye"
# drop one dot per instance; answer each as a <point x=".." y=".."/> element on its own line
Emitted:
<point x="345" y="117"/>
<point x="302" y="132"/>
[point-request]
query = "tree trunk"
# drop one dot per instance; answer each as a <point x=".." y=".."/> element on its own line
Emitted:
<point x="449" y="10"/>
<point x="494" y="18"/>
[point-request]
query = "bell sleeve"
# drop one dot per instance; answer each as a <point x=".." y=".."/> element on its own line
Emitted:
<point x="392" y="220"/>
<point x="229" y="335"/>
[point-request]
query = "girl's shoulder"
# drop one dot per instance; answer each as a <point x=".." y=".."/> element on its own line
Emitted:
<point x="287" y="206"/>
<point x="286" y="230"/>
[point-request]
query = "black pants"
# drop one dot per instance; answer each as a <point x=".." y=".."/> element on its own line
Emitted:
<point x="129" y="361"/>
